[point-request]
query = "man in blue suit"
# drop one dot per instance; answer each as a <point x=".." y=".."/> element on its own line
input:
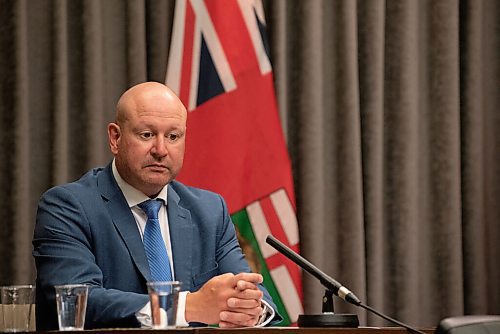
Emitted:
<point x="91" y="231"/>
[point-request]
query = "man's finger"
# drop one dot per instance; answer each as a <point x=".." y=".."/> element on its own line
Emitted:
<point x="237" y="303"/>
<point x="249" y="294"/>
<point x="249" y="277"/>
<point x="252" y="312"/>
<point x="224" y="324"/>
<point x="244" y="285"/>
<point x="238" y="319"/>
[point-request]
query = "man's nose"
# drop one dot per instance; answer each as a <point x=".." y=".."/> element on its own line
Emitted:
<point x="159" y="147"/>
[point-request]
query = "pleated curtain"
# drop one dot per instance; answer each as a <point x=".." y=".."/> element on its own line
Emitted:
<point x="391" y="111"/>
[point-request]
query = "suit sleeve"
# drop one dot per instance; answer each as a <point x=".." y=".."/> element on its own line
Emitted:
<point x="63" y="252"/>
<point x="230" y="257"/>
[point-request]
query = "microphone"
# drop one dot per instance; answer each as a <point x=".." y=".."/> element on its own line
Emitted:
<point x="338" y="289"/>
<point x="343" y="320"/>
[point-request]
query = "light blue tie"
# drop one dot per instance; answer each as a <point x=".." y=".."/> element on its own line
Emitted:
<point x="154" y="245"/>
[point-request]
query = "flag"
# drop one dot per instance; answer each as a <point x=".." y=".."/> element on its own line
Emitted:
<point x="219" y="66"/>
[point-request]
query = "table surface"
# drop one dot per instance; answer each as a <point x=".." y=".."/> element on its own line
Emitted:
<point x="265" y="330"/>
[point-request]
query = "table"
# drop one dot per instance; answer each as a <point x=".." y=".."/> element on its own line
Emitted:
<point x="266" y="330"/>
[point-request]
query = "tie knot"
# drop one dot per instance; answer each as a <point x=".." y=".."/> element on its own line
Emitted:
<point x="151" y="208"/>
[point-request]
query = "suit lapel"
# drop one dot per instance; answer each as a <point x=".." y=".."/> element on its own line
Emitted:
<point x="181" y="238"/>
<point x="123" y="219"/>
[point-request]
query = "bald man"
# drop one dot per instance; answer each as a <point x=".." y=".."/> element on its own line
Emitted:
<point x="90" y="231"/>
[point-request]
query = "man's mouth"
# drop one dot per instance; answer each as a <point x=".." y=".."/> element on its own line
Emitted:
<point x="157" y="166"/>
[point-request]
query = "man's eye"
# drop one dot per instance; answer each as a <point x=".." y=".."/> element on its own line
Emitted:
<point x="146" y="135"/>
<point x="173" y="136"/>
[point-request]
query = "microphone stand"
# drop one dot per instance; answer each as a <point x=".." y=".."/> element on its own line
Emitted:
<point x="327" y="302"/>
<point x="328" y="318"/>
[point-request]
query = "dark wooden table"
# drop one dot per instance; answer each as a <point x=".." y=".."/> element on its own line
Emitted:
<point x="266" y="330"/>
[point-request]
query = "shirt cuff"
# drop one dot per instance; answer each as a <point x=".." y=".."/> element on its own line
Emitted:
<point x="144" y="314"/>
<point x="181" y="310"/>
<point x="266" y="316"/>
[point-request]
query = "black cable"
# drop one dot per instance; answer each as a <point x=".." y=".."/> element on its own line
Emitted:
<point x="399" y="323"/>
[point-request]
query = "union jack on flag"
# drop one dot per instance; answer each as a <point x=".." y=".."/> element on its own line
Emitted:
<point x="219" y="65"/>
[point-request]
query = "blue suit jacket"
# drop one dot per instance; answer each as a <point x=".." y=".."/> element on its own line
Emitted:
<point x="86" y="233"/>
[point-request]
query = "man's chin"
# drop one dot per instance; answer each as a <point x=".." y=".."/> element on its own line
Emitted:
<point x="159" y="179"/>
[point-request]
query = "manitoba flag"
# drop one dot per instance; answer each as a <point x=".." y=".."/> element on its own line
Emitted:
<point x="220" y="68"/>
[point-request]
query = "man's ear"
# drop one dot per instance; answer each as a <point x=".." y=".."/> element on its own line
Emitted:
<point x="114" y="135"/>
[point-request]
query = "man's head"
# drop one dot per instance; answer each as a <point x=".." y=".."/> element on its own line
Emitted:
<point x="148" y="136"/>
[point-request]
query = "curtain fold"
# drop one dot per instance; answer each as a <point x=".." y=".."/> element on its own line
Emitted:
<point x="92" y="126"/>
<point x="136" y="40"/>
<point x="60" y="148"/>
<point x="443" y="142"/>
<point x="159" y="21"/>
<point x="20" y="149"/>
<point x="309" y="131"/>
<point x="389" y="108"/>
<point x="491" y="72"/>
<point x="371" y="40"/>
<point x="472" y="139"/>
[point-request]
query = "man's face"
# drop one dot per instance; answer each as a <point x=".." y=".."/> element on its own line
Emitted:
<point x="149" y="143"/>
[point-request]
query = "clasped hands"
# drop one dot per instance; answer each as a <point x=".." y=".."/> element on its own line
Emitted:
<point x="227" y="300"/>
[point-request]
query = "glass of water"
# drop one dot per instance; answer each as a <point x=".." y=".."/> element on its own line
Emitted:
<point x="164" y="298"/>
<point x="17" y="304"/>
<point x="71" y="306"/>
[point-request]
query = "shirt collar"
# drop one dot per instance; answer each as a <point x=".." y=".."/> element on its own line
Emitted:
<point x="132" y="195"/>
